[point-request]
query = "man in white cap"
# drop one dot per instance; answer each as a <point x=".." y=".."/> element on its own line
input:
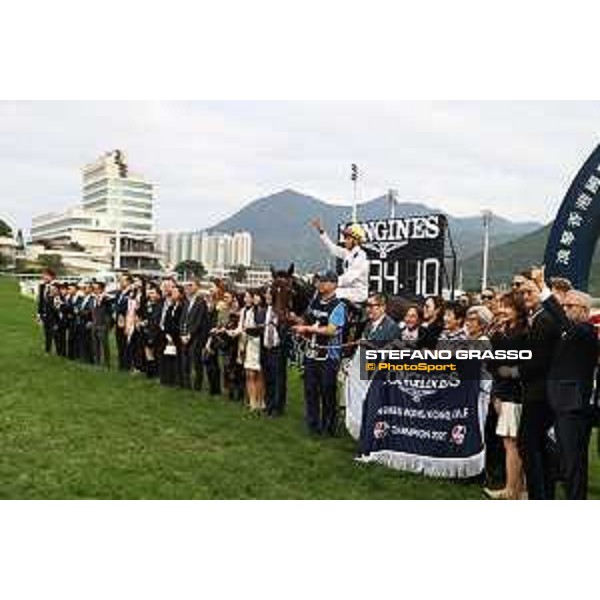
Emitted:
<point x="353" y="283"/>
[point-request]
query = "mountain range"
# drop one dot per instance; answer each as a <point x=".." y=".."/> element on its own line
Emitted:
<point x="281" y="232"/>
<point x="518" y="255"/>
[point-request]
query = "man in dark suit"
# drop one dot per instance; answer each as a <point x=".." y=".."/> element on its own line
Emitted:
<point x="53" y="318"/>
<point x="101" y="324"/>
<point x="84" y="324"/>
<point x="73" y="300"/>
<point x="44" y="307"/>
<point x="380" y="327"/>
<point x="274" y="360"/>
<point x="194" y="334"/>
<point x="571" y="382"/>
<point x="120" y="306"/>
<point x="537" y="418"/>
<point x="63" y="310"/>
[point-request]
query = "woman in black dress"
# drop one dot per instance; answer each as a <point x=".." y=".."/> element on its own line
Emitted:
<point x="508" y="333"/>
<point x="151" y="332"/>
<point x="135" y="346"/>
<point x="170" y="363"/>
<point x="232" y="362"/>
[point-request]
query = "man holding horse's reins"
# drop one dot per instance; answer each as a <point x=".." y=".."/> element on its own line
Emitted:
<point x="353" y="283"/>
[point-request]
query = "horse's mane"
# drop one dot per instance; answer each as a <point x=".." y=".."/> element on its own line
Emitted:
<point x="300" y="291"/>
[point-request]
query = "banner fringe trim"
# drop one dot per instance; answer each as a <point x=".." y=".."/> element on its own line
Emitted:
<point x="430" y="466"/>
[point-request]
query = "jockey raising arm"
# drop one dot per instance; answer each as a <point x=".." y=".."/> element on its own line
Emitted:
<point x="353" y="283"/>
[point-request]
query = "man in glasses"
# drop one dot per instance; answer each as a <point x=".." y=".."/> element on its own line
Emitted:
<point x="380" y="327"/>
<point x="518" y="282"/>
<point x="537" y="418"/>
<point x="489" y="300"/>
<point x="571" y="382"/>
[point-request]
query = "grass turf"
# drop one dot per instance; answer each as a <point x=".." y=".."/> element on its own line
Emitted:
<point x="70" y="430"/>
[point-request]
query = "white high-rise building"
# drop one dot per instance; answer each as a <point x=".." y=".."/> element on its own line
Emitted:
<point x="224" y="250"/>
<point x="241" y="248"/>
<point x="113" y="223"/>
<point x="196" y="247"/>
<point x="210" y="253"/>
<point x="164" y="244"/>
<point x="179" y="246"/>
<point x="121" y="197"/>
<point x="213" y="250"/>
<point x="183" y="247"/>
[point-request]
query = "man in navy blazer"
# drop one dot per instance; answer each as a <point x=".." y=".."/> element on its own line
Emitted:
<point x="380" y="327"/>
<point x="194" y="335"/>
<point x="571" y="382"/>
<point x="45" y="307"/>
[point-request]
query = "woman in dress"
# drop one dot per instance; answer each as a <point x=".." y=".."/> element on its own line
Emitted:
<point x="227" y="338"/>
<point x="454" y="322"/>
<point x="478" y="322"/>
<point x="509" y="333"/>
<point x="150" y="328"/>
<point x="135" y="315"/>
<point x="249" y="329"/>
<point x="220" y="342"/>
<point x="411" y="329"/>
<point x="479" y="318"/>
<point x="433" y="321"/>
<point x="170" y="364"/>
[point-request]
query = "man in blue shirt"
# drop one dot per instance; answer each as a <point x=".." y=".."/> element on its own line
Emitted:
<point x="324" y="326"/>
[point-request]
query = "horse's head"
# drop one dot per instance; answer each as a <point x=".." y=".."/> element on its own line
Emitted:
<point x="281" y="290"/>
<point x="290" y="293"/>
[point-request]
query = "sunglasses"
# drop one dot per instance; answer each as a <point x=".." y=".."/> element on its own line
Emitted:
<point x="487" y="297"/>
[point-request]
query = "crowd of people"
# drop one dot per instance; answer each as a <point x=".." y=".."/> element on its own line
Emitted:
<point x="542" y="411"/>
<point x="221" y="341"/>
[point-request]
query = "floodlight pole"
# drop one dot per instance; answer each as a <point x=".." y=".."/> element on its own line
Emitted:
<point x="487" y="219"/>
<point x="354" y="178"/>
<point x="392" y="195"/>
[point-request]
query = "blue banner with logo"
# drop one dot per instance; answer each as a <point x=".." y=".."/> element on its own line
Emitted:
<point x="575" y="230"/>
<point x="425" y="426"/>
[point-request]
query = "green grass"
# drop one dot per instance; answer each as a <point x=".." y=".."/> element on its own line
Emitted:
<point x="74" y="431"/>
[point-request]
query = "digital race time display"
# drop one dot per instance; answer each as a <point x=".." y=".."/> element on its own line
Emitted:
<point x="398" y="277"/>
<point x="406" y="255"/>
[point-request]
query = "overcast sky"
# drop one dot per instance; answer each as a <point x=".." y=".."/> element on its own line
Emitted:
<point x="208" y="159"/>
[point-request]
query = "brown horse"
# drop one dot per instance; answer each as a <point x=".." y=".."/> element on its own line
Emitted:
<point x="291" y="295"/>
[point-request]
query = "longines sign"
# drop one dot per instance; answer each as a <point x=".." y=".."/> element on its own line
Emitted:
<point x="406" y="254"/>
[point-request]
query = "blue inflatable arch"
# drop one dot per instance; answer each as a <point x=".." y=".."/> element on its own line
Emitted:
<point x="576" y="228"/>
